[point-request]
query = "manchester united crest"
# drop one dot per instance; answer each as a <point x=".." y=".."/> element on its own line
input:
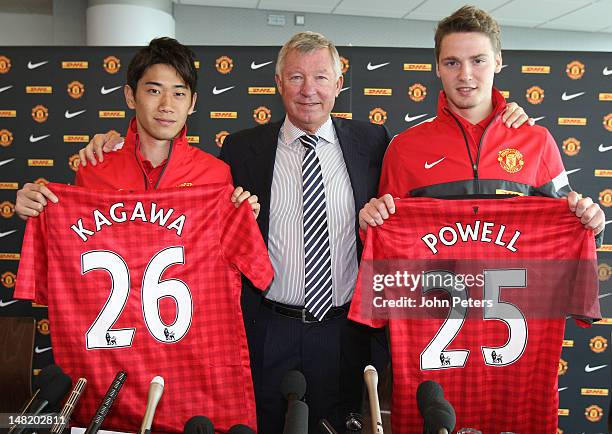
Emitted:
<point x="5" y="64"/>
<point x="43" y="326"/>
<point x="220" y="138"/>
<point x="7" y="209"/>
<point x="224" y="64"/>
<point x="73" y="162"/>
<point x="607" y="122"/>
<point x="598" y="344"/>
<point x="345" y="64"/>
<point x="111" y="64"/>
<point x="535" y="95"/>
<point x="262" y="115"/>
<point x="605" y="197"/>
<point x="562" y="367"/>
<point x="377" y="116"/>
<point x="75" y="89"/>
<point x="8" y="279"/>
<point x="40" y="113"/>
<point x="511" y="160"/>
<point x="417" y="92"/>
<point x="575" y="70"/>
<point x="604" y="271"/>
<point x="593" y="413"/>
<point x="571" y="146"/>
<point x="6" y="138"/>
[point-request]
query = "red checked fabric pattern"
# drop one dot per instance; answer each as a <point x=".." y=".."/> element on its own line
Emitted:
<point x="516" y="392"/>
<point x="149" y="283"/>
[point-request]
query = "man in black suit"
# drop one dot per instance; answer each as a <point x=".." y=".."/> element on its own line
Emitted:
<point x="284" y="331"/>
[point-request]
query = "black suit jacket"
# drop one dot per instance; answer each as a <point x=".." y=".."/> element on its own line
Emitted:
<point x="251" y="154"/>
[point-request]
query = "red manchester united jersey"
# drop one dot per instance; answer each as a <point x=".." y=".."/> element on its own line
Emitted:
<point x="475" y="294"/>
<point x="149" y="283"/>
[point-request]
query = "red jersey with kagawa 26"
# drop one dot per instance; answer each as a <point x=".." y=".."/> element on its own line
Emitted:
<point x="149" y="283"/>
<point x="488" y="359"/>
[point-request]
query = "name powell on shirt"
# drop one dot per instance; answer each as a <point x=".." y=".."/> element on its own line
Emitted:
<point x="117" y="213"/>
<point x="485" y="232"/>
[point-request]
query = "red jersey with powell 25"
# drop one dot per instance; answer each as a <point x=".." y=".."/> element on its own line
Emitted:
<point x="149" y="283"/>
<point x="475" y="293"/>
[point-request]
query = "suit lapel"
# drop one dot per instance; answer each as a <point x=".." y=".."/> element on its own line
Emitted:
<point x="261" y="169"/>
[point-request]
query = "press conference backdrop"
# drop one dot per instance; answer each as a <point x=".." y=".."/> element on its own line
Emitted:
<point x="53" y="99"/>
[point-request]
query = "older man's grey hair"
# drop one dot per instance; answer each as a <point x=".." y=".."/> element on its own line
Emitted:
<point x="307" y="42"/>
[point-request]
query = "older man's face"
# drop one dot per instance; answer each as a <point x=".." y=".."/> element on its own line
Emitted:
<point x="309" y="87"/>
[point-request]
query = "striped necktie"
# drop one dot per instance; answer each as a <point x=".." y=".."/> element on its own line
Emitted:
<point x="317" y="254"/>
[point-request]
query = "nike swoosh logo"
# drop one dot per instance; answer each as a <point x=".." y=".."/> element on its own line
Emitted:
<point x="538" y="119"/>
<point x="608" y="222"/>
<point x="588" y="368"/>
<point x="36" y="65"/>
<point x="606" y="71"/>
<point x="260" y="65"/>
<point x="603" y="148"/>
<point x="4" y="234"/>
<point x="216" y="91"/>
<point x="503" y="66"/>
<point x="605" y="295"/>
<point x="38" y="350"/>
<point x="3" y="162"/>
<point x="566" y="97"/>
<point x="73" y="114"/>
<point x="409" y="118"/>
<point x="561" y="389"/>
<point x="7" y="303"/>
<point x="373" y="67"/>
<point x="34" y="139"/>
<point x="105" y="91"/>
<point x="430" y="165"/>
<point x="2" y="89"/>
<point x="569" y="172"/>
<point x="344" y="88"/>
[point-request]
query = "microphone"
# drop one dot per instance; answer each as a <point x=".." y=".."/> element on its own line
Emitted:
<point x="107" y="403"/>
<point x="156" y="389"/>
<point x="42" y="379"/>
<point x="293" y="388"/>
<point x="438" y="414"/>
<point x="326" y="426"/>
<point x="240" y="429"/>
<point x="69" y="407"/>
<point x="427" y="392"/>
<point x="199" y="425"/>
<point x="49" y="397"/>
<point x="371" y="379"/>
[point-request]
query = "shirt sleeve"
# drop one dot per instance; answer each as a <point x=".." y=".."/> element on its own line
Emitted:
<point x="393" y="178"/>
<point x="32" y="272"/>
<point x="242" y="244"/>
<point x="551" y="179"/>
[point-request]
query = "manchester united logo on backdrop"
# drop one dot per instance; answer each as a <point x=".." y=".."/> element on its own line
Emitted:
<point x="43" y="326"/>
<point x="377" y="116"/>
<point x="598" y="344"/>
<point x="6" y="138"/>
<point x="417" y="92"/>
<point x="73" y="162"/>
<point x="40" y="113"/>
<point x="111" y="64"/>
<point x="605" y="197"/>
<point x="511" y="160"/>
<point x="8" y="279"/>
<point x="75" y="89"/>
<point x="5" y="64"/>
<point x="41" y="181"/>
<point x="345" y="64"/>
<point x="562" y="368"/>
<point x="7" y="209"/>
<point x="535" y="95"/>
<point x="224" y="64"/>
<point x="575" y="70"/>
<point x="571" y="146"/>
<point x="607" y="122"/>
<point x="262" y="115"/>
<point x="593" y="413"/>
<point x="220" y="138"/>
<point x="604" y="271"/>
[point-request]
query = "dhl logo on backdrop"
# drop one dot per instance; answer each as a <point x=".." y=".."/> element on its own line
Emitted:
<point x="534" y="69"/>
<point x="342" y="115"/>
<point x="368" y="91"/>
<point x="8" y="186"/>
<point x="603" y="173"/>
<point x="38" y="162"/>
<point x="572" y="121"/>
<point x="505" y="93"/>
<point x="9" y="256"/>
<point x="75" y="64"/>
<point x="605" y="96"/>
<point x="575" y="70"/>
<point x="196" y="63"/>
<point x="223" y="115"/>
<point x="262" y="90"/>
<point x="567" y="343"/>
<point x="71" y="138"/>
<point x="563" y="412"/>
<point x="111" y="114"/>
<point x="193" y="139"/>
<point x="8" y="113"/>
<point x="585" y="391"/>
<point x="417" y="66"/>
<point x="39" y="89"/>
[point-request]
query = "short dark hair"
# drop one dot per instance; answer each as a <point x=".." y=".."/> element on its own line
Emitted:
<point x="166" y="51"/>
<point x="468" y="19"/>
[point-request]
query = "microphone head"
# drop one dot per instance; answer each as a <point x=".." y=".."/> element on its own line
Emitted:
<point x="158" y="380"/>
<point x="56" y="391"/>
<point x="427" y="392"/>
<point x="45" y="375"/>
<point x="240" y="429"/>
<point x="199" y="425"/>
<point x="440" y="414"/>
<point x="294" y="383"/>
